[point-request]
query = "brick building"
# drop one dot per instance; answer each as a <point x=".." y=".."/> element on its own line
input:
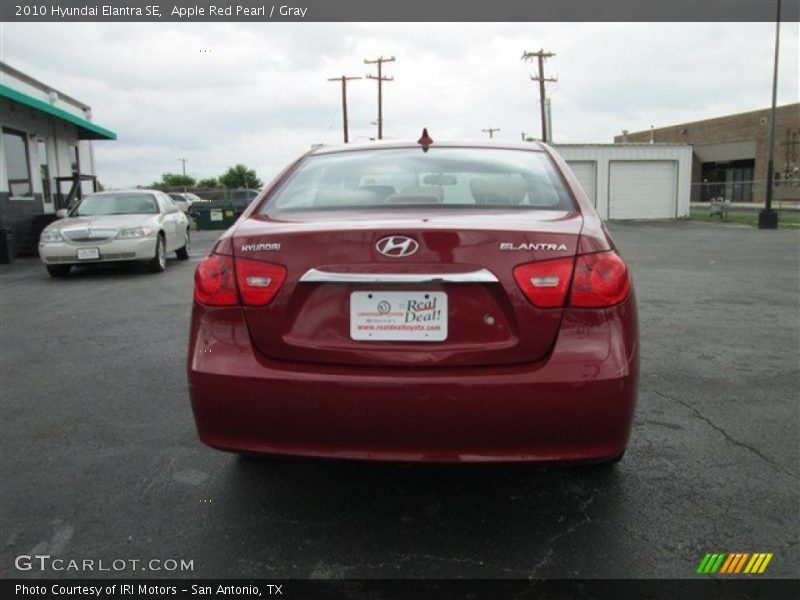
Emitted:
<point x="731" y="154"/>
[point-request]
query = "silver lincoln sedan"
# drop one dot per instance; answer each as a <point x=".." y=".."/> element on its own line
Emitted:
<point x="133" y="225"/>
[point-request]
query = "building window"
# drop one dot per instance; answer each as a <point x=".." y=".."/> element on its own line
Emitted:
<point x="731" y="180"/>
<point x="18" y="168"/>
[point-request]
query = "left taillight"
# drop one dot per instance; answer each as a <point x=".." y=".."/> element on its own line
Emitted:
<point x="219" y="281"/>
<point x="215" y="281"/>
<point x="258" y="281"/>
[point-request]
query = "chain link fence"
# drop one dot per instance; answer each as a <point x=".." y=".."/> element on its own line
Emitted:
<point x="785" y="193"/>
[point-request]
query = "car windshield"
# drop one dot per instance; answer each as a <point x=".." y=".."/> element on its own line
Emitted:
<point x="116" y="204"/>
<point x="409" y="177"/>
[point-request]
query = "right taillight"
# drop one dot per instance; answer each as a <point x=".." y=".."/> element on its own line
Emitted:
<point x="545" y="283"/>
<point x="599" y="280"/>
<point x="215" y="281"/>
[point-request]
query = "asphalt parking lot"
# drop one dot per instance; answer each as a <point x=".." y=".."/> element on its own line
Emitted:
<point x="100" y="458"/>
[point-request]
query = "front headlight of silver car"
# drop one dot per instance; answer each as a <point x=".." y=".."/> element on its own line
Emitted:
<point x="134" y="232"/>
<point x="52" y="235"/>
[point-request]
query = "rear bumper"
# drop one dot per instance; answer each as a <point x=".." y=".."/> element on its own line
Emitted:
<point x="577" y="405"/>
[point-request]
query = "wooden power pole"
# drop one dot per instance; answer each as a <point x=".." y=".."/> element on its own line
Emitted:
<point x="344" y="79"/>
<point x="541" y="55"/>
<point x="380" y="78"/>
<point x="490" y="131"/>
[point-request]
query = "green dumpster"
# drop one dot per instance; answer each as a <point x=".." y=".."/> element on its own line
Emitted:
<point x="215" y="215"/>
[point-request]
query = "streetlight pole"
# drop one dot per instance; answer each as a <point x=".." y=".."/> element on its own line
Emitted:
<point x="768" y="218"/>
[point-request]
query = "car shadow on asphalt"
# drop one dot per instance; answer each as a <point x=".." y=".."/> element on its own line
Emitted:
<point x="384" y="520"/>
<point x="111" y="271"/>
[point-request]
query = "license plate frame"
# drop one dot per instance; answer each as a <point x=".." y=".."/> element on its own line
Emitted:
<point x="398" y="316"/>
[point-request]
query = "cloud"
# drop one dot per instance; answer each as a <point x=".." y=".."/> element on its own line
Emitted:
<point x="261" y="95"/>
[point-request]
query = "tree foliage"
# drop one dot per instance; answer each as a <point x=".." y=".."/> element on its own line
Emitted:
<point x="175" y="180"/>
<point x="236" y="177"/>
<point x="208" y="183"/>
<point x="239" y="176"/>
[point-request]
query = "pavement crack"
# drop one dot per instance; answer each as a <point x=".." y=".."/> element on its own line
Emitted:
<point x="728" y="437"/>
<point x="549" y="552"/>
<point x="406" y="557"/>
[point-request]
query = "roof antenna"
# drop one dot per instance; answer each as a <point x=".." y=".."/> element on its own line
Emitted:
<point x="425" y="140"/>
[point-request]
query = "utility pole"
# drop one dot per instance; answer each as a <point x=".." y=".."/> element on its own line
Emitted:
<point x="344" y="79"/>
<point x="541" y="55"/>
<point x="490" y="131"/>
<point x="184" y="161"/>
<point x="768" y="218"/>
<point x="380" y="78"/>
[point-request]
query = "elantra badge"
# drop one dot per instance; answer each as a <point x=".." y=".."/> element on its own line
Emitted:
<point x="397" y="246"/>
<point x="532" y="246"/>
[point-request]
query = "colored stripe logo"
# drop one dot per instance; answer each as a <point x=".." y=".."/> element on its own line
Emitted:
<point x="734" y="562"/>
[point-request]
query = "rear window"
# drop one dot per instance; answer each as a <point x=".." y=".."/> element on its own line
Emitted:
<point x="409" y="177"/>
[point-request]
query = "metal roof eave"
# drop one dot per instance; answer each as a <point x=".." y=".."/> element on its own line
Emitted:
<point x="86" y="129"/>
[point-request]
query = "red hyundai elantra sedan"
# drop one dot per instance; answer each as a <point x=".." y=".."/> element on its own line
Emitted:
<point x="417" y="302"/>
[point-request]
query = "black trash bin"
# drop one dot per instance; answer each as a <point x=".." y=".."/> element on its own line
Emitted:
<point x="215" y="215"/>
<point x="6" y="241"/>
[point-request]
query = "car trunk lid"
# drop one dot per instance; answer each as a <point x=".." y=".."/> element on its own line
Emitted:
<point x="459" y="277"/>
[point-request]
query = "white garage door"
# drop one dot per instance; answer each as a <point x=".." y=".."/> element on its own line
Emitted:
<point x="643" y="189"/>
<point x="586" y="172"/>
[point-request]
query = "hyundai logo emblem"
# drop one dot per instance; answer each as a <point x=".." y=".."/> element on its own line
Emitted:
<point x="397" y="246"/>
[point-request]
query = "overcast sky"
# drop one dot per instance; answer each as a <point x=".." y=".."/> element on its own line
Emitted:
<point x="261" y="95"/>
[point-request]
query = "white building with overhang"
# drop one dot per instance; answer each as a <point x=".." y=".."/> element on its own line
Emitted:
<point x="46" y="155"/>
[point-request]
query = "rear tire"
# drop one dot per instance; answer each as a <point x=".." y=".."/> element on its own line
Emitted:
<point x="159" y="262"/>
<point x="611" y="462"/>
<point x="59" y="270"/>
<point x="244" y="457"/>
<point x="183" y="253"/>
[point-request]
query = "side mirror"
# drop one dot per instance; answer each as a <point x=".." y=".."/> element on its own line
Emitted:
<point x="62" y="213"/>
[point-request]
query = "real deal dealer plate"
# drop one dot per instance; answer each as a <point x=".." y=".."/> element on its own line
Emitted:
<point x="398" y="316"/>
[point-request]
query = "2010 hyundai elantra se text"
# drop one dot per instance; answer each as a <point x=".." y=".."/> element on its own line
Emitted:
<point x="417" y="302"/>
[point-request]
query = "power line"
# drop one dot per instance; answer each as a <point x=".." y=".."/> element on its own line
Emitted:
<point x="380" y="79"/>
<point x="344" y="79"/>
<point x="490" y="131"/>
<point x="541" y="55"/>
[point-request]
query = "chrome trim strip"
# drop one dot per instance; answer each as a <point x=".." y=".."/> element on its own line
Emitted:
<point x="481" y="276"/>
